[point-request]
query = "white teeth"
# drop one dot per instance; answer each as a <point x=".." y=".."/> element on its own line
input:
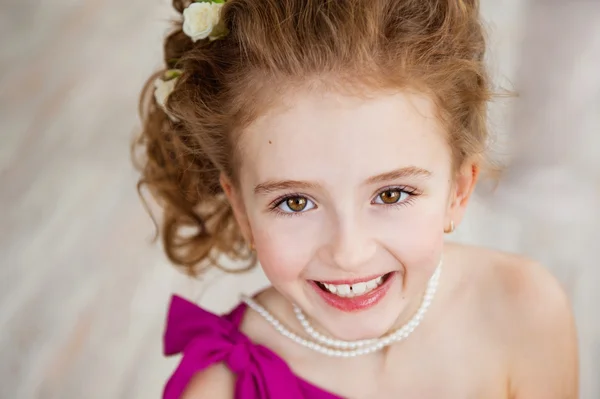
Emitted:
<point x="343" y="290"/>
<point x="359" y="288"/>
<point x="349" y="291"/>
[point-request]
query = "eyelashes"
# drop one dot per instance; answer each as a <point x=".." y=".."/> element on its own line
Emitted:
<point x="295" y="204"/>
<point x="294" y="199"/>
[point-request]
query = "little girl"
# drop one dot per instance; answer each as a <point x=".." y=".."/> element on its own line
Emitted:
<point x="335" y="142"/>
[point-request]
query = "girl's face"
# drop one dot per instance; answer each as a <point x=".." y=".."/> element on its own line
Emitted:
<point x="346" y="201"/>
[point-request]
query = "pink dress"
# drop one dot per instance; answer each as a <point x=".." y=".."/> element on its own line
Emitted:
<point x="205" y="339"/>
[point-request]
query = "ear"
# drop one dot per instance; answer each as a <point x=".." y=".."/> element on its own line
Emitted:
<point x="237" y="204"/>
<point x="464" y="184"/>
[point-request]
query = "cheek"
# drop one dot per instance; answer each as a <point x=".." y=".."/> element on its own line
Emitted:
<point x="423" y="232"/>
<point x="282" y="255"/>
<point x="415" y="238"/>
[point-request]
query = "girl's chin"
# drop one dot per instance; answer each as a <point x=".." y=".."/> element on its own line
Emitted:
<point x="360" y="328"/>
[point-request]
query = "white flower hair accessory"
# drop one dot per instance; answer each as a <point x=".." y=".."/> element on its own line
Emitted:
<point x="202" y="19"/>
<point x="163" y="87"/>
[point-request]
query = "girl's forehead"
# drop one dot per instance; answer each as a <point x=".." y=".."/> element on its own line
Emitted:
<point x="316" y="131"/>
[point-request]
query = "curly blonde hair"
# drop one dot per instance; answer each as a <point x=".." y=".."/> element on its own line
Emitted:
<point x="434" y="46"/>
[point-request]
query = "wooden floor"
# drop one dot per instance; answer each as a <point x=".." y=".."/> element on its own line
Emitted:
<point x="82" y="290"/>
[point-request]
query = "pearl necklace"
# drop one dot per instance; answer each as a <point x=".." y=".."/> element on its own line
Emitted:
<point x="338" y="348"/>
<point x="398" y="335"/>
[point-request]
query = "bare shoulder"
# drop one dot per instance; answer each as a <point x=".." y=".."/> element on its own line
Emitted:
<point x="528" y="292"/>
<point x="520" y="285"/>
<point x="543" y="334"/>
<point x="215" y="382"/>
<point x="531" y="315"/>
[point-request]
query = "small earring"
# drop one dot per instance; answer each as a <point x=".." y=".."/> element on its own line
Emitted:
<point x="451" y="228"/>
<point x="251" y="245"/>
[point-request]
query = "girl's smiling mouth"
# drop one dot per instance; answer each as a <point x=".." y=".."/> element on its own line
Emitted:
<point x="354" y="295"/>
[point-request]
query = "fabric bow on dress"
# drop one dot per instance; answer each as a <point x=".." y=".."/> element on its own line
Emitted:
<point x="205" y="339"/>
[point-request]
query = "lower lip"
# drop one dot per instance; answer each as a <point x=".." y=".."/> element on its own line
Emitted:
<point x="358" y="303"/>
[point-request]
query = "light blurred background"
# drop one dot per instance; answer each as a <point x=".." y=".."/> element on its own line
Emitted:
<point x="83" y="292"/>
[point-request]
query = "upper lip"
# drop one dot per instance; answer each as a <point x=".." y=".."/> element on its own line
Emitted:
<point x="352" y="281"/>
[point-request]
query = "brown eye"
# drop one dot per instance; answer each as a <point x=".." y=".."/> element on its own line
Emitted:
<point x="294" y="204"/>
<point x="390" y="196"/>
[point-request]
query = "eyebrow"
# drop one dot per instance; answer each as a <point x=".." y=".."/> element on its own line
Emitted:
<point x="402" y="173"/>
<point x="272" y="186"/>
